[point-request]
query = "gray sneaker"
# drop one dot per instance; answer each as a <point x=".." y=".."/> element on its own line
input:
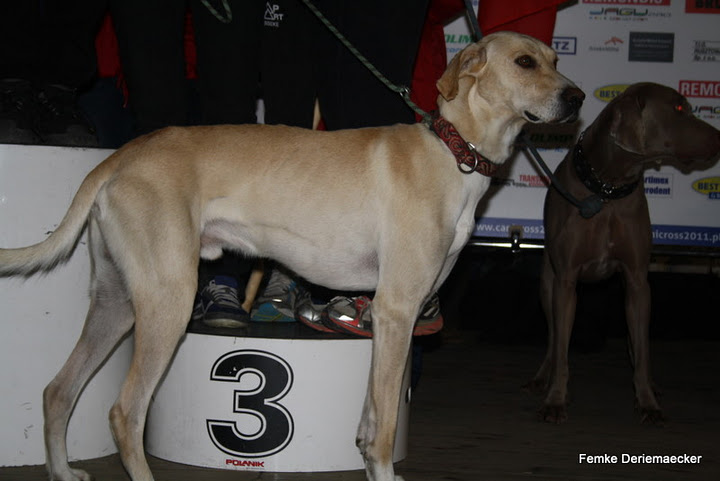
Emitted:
<point x="277" y="302"/>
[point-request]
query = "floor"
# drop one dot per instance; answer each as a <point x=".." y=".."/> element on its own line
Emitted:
<point x="470" y="419"/>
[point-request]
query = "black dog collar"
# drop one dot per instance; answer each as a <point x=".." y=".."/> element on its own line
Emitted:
<point x="593" y="182"/>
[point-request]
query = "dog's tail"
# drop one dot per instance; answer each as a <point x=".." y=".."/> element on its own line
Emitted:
<point x="59" y="246"/>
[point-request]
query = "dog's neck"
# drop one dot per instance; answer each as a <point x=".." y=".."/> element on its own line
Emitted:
<point x="604" y="168"/>
<point x="468" y="158"/>
<point x="492" y="135"/>
<point x="612" y="163"/>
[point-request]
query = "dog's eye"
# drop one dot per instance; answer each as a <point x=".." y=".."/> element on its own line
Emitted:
<point x="680" y="107"/>
<point x="525" y="61"/>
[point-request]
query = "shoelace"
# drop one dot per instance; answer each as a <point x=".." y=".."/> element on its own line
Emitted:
<point x="278" y="287"/>
<point x="222" y="294"/>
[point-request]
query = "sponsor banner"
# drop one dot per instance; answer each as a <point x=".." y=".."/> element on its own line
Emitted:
<point x="565" y="45"/>
<point x="651" y="47"/>
<point x="702" y="6"/>
<point x="709" y="89"/>
<point x="505" y="227"/>
<point x="680" y="235"/>
<point x="605" y="46"/>
<point x="648" y="3"/>
<point x="709" y="186"/>
<point x="706" y="51"/>
<point x="608" y="92"/>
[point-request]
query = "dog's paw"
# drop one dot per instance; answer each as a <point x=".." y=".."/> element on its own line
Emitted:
<point x="652" y="416"/>
<point x="71" y="475"/>
<point x="82" y="475"/>
<point x="556" y="414"/>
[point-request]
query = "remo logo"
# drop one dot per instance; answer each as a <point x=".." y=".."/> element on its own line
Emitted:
<point x="260" y="425"/>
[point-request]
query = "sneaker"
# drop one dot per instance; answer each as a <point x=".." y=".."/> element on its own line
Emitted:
<point x="218" y="304"/>
<point x="352" y="315"/>
<point x="312" y="314"/>
<point x="60" y="120"/>
<point x="277" y="302"/>
<point x="430" y="320"/>
<point x="17" y="110"/>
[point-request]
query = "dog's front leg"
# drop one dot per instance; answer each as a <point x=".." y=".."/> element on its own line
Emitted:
<point x="564" y="301"/>
<point x="637" y="312"/>
<point x="392" y="332"/>
<point x="541" y="381"/>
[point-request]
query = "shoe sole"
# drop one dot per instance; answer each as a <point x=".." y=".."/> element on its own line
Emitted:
<point x="425" y="329"/>
<point x="318" y="326"/>
<point x="269" y="313"/>
<point x="222" y="322"/>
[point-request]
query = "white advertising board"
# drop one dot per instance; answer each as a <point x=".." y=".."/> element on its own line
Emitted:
<point x="604" y="46"/>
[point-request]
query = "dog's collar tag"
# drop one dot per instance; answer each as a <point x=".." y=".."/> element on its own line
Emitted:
<point x="469" y="160"/>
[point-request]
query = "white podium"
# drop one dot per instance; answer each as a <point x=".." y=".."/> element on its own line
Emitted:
<point x="266" y="403"/>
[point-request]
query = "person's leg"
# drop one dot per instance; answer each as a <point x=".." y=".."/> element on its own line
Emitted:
<point x="289" y="63"/>
<point x="388" y="35"/>
<point x="228" y="65"/>
<point x="150" y="40"/>
<point x="228" y="62"/>
<point x="68" y="31"/>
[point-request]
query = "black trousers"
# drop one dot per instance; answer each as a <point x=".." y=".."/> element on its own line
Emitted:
<point x="150" y="38"/>
<point x="303" y="61"/>
<point x="151" y="42"/>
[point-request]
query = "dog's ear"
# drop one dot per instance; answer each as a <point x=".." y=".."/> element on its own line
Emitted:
<point x="468" y="62"/>
<point x="627" y="127"/>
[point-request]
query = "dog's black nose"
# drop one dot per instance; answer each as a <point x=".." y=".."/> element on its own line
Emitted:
<point x="574" y="97"/>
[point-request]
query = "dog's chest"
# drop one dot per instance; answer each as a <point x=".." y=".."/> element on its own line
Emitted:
<point x="614" y="242"/>
<point x="464" y="216"/>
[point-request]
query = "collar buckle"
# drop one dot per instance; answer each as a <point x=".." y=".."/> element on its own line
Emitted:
<point x="468" y="159"/>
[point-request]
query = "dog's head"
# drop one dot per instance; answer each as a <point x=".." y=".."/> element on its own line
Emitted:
<point x="657" y="122"/>
<point x="511" y="75"/>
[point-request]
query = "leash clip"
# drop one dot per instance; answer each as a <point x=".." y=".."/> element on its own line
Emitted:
<point x="465" y="168"/>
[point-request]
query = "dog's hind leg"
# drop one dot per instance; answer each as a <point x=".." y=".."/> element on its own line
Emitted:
<point x="109" y="318"/>
<point x="161" y="276"/>
<point x="162" y="312"/>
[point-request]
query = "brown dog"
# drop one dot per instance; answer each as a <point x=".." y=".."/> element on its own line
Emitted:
<point x="646" y="124"/>
<point x="383" y="209"/>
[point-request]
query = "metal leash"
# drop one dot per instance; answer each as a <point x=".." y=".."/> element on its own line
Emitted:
<point x="228" y="13"/>
<point x="403" y="91"/>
